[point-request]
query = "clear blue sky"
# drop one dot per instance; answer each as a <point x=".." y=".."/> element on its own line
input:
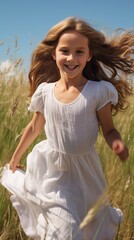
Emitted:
<point x="29" y="20"/>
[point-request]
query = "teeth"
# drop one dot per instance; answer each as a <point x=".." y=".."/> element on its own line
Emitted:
<point x="71" y="67"/>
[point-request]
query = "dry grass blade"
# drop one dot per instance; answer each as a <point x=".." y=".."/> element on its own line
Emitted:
<point x="103" y="200"/>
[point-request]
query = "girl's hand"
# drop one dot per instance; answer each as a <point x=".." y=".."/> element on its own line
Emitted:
<point x="14" y="164"/>
<point x="120" y="149"/>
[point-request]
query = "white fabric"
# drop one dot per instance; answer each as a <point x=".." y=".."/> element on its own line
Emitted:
<point x="64" y="176"/>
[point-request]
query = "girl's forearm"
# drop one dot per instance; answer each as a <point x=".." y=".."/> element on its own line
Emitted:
<point x="32" y="130"/>
<point x="27" y="138"/>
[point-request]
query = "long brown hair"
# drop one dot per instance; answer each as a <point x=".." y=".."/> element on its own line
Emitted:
<point x="112" y="58"/>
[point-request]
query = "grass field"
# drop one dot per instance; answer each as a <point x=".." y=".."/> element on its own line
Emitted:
<point x="14" y="116"/>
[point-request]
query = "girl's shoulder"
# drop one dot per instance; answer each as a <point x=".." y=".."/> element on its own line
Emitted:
<point x="39" y="96"/>
<point x="107" y="88"/>
<point x="101" y="93"/>
<point x="101" y="84"/>
<point x="43" y="88"/>
<point x="102" y="87"/>
<point x="106" y="92"/>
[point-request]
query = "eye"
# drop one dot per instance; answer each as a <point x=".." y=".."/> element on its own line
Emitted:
<point x="64" y="51"/>
<point x="79" y="52"/>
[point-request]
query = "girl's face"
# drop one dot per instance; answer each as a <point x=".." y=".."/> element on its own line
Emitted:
<point x="71" y="54"/>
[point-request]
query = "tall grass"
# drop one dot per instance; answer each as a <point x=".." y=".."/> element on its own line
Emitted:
<point x="14" y="116"/>
<point x="120" y="175"/>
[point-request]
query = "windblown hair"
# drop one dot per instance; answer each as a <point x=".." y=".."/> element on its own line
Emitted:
<point x="112" y="58"/>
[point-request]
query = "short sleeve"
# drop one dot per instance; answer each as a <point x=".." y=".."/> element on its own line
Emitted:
<point x="106" y="93"/>
<point x="37" y="103"/>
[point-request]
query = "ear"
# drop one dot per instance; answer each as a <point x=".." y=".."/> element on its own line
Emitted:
<point x="88" y="60"/>
<point x="53" y="55"/>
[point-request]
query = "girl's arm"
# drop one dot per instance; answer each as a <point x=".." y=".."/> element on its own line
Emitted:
<point x="32" y="130"/>
<point x="111" y="135"/>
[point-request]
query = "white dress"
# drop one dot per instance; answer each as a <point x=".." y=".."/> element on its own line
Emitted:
<point x="64" y="176"/>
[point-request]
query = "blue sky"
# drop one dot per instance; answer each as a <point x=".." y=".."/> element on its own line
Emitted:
<point x="29" y="20"/>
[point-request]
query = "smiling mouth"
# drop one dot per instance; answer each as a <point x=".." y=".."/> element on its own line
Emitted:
<point x="70" y="67"/>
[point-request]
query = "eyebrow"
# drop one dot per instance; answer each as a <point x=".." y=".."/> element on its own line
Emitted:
<point x="79" y="47"/>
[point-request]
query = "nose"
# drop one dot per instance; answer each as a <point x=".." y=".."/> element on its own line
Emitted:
<point x="70" y="57"/>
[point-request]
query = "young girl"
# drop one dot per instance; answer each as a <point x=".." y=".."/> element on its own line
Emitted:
<point x="78" y="78"/>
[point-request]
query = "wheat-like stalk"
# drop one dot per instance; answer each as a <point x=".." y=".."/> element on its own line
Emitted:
<point x="102" y="201"/>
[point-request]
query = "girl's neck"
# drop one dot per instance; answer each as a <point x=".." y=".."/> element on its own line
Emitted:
<point x="67" y="83"/>
<point x="67" y="92"/>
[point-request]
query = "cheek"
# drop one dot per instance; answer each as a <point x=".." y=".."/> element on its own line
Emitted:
<point x="59" y="58"/>
<point x="59" y="61"/>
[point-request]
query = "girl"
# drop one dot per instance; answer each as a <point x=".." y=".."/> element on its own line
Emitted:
<point x="78" y="78"/>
